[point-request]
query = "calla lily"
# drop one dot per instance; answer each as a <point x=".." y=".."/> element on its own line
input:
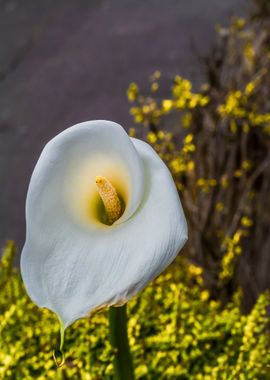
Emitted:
<point x="103" y="219"/>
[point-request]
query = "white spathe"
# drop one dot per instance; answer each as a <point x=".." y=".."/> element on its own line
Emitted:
<point x="71" y="263"/>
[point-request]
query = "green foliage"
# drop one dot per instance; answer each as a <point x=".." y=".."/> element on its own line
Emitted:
<point x="176" y="332"/>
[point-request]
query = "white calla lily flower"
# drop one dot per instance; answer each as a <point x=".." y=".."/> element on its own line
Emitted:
<point x="103" y="219"/>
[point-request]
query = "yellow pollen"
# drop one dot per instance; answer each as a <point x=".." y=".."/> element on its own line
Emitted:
<point x="109" y="198"/>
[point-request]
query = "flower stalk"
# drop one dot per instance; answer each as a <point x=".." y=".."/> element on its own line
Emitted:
<point x="123" y="366"/>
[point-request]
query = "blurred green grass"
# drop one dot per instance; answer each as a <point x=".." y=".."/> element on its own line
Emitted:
<point x="176" y="331"/>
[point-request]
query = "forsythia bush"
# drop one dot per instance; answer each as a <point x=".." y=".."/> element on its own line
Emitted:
<point x="216" y="142"/>
<point x="176" y="332"/>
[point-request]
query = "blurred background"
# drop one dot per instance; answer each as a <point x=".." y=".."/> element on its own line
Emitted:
<point x="192" y="79"/>
<point x="68" y="61"/>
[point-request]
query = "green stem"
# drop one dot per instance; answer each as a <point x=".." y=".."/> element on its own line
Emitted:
<point x="123" y="368"/>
